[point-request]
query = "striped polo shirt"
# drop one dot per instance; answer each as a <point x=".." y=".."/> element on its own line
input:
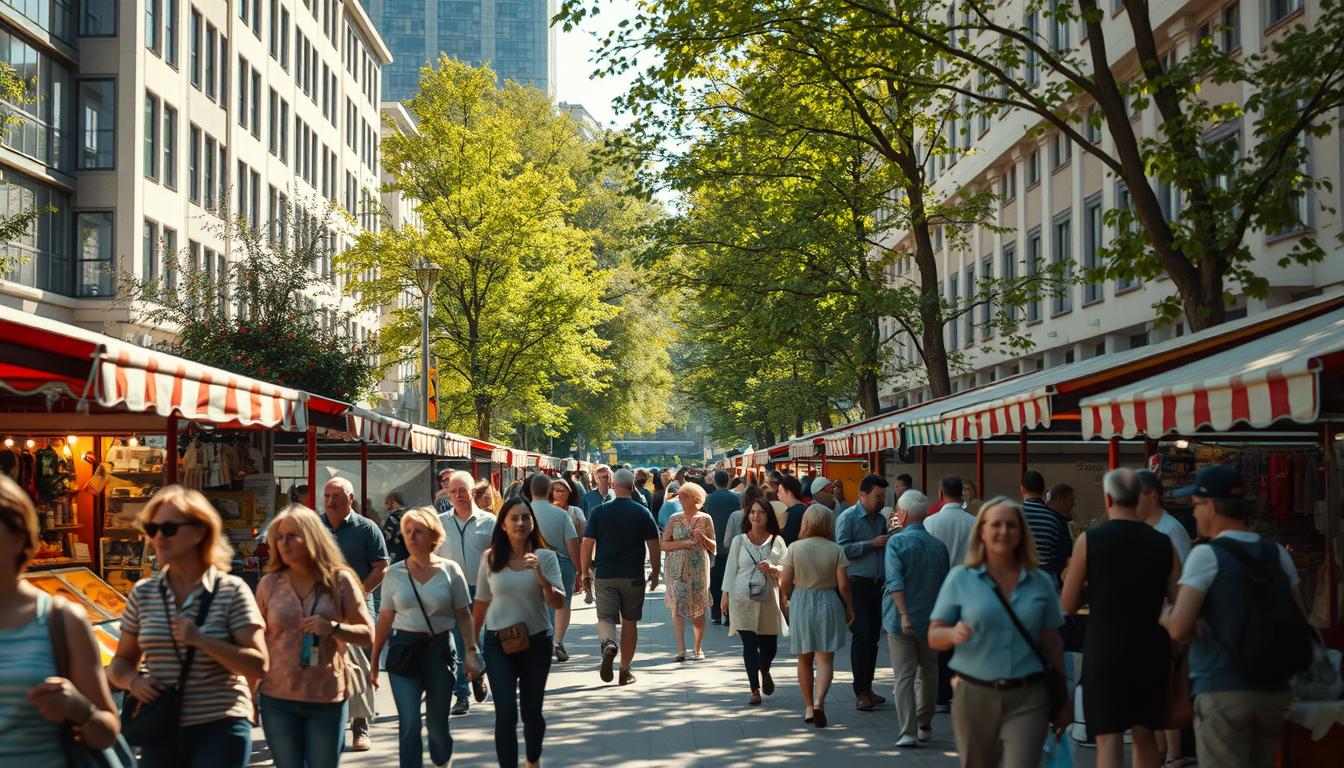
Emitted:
<point x="211" y="692"/>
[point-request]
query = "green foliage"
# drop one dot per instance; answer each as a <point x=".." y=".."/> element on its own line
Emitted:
<point x="14" y="91"/>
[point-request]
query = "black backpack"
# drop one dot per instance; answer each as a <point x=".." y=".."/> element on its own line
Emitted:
<point x="1273" y="641"/>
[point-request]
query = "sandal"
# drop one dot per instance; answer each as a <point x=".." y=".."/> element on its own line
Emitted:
<point x="819" y="717"/>
<point x="681" y="658"/>
<point x="807" y="716"/>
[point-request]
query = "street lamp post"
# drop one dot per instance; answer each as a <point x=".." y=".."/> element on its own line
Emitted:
<point x="426" y="273"/>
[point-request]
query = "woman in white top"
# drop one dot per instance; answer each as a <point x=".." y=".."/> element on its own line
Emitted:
<point x="421" y="658"/>
<point x="751" y="592"/>
<point x="519" y="579"/>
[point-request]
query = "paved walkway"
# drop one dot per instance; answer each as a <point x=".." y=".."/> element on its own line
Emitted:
<point x="683" y="715"/>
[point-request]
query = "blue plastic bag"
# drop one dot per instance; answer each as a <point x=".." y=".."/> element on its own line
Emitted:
<point x="1057" y="752"/>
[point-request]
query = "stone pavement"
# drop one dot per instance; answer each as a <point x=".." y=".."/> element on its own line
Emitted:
<point x="681" y="715"/>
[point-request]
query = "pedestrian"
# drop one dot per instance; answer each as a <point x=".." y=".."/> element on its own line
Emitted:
<point x="313" y="607"/>
<point x="915" y="564"/>
<point x="1054" y="545"/>
<point x="658" y="495"/>
<point x="720" y="505"/>
<point x="483" y="493"/>
<point x="751" y="579"/>
<point x="689" y="545"/>
<point x="790" y="495"/>
<point x="442" y="503"/>
<point x="1124" y="571"/>
<point x="1062" y="500"/>
<point x="600" y="494"/>
<point x="971" y="495"/>
<point x="193" y="615"/>
<point x="519" y="584"/>
<point x="1000" y="712"/>
<point x="952" y="525"/>
<point x="1243" y="589"/>
<point x="904" y="482"/>
<point x="556" y="527"/>
<point x="735" y="521"/>
<point x="44" y="688"/>
<point x="818" y="606"/>
<point x="425" y="598"/>
<point x="362" y="544"/>
<point x="641" y="486"/>
<point x="824" y="492"/>
<point x="467" y="531"/>
<point x="614" y="542"/>
<point x="395" y="504"/>
<point x="671" y="505"/>
<point x="861" y="531"/>
<point x="565" y="494"/>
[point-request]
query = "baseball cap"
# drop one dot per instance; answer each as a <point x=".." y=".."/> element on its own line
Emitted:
<point x="819" y="485"/>
<point x="1216" y="481"/>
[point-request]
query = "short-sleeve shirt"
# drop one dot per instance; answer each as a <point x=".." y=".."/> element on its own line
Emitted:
<point x="720" y="505"/>
<point x="916" y="564"/>
<point x="443" y="595"/>
<point x="211" y="691"/>
<point x="464" y="543"/>
<point x="1180" y="538"/>
<point x="953" y="526"/>
<point x="515" y="597"/>
<point x="361" y="542"/>
<point x="792" y="522"/>
<point x="1050" y="533"/>
<point x="557" y="527"/>
<point x="814" y="561"/>
<point x="593" y="499"/>
<point x="620" y="527"/>
<point x="853" y="530"/>
<point x="1201" y="565"/>
<point x="996" y="650"/>
<point x="284" y="610"/>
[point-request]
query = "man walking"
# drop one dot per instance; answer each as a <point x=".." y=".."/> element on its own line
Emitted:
<point x="1152" y="513"/>
<point x="361" y="542"/>
<point x="720" y="505"/>
<point x="442" y="503"/>
<point x="862" y="533"/>
<point x="826" y="493"/>
<point x="467" y="530"/>
<point x="615" y="533"/>
<point x="600" y="494"/>
<point x="952" y="525"/>
<point x="1054" y="544"/>
<point x="557" y="528"/>
<point x="916" y="564"/>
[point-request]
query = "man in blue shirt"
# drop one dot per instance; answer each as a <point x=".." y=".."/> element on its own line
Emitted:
<point x="862" y="533"/>
<point x="916" y="564"/>
<point x="720" y="505"/>
<point x="602" y="493"/>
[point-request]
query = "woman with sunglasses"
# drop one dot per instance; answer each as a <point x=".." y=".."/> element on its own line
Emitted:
<point x="192" y="614"/>
<point x="751" y="591"/>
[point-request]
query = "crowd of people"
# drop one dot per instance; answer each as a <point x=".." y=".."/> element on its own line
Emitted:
<point x="978" y="600"/>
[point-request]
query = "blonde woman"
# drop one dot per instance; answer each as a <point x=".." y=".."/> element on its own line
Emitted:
<point x="313" y="606"/>
<point x="39" y="692"/>
<point x="689" y="544"/>
<point x="484" y="495"/>
<point x="814" y="570"/>
<point x="193" y="626"/>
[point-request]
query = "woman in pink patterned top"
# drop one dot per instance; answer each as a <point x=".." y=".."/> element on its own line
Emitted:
<point x="313" y="606"/>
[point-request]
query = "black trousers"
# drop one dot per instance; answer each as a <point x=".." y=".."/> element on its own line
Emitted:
<point x="716" y="586"/>
<point x="758" y="652"/>
<point x="944" y="678"/>
<point x="866" y="631"/>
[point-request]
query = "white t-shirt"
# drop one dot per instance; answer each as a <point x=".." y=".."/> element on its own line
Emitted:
<point x="952" y="525"/>
<point x="515" y="596"/>
<point x="444" y="594"/>
<point x="1201" y="565"/>
<point x="1176" y="532"/>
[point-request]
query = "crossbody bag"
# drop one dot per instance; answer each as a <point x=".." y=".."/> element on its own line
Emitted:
<point x="145" y="724"/>
<point x="756" y="591"/>
<point x="1055" y="686"/>
<point x="406" y="658"/>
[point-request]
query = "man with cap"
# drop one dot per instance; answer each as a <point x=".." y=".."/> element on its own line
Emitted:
<point x="1237" y="722"/>
<point x="824" y="493"/>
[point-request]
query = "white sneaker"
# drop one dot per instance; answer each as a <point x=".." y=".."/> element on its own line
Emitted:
<point x="907" y="741"/>
<point x="925" y="734"/>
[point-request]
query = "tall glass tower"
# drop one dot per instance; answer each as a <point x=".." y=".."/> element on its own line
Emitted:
<point x="513" y="36"/>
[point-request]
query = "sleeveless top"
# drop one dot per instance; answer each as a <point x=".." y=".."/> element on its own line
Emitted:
<point x="26" y="661"/>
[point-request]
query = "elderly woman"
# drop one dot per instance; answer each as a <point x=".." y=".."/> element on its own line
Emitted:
<point x="815" y="582"/>
<point x="751" y="590"/>
<point x="39" y="692"/>
<point x="195" y="626"/>
<point x="689" y="544"/>
<point x="1001" y="708"/>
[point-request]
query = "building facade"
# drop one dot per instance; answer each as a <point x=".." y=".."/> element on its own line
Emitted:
<point x="1053" y="197"/>
<point x="514" y="37"/>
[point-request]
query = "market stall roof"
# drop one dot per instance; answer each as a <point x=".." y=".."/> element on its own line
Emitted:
<point x="1257" y="383"/>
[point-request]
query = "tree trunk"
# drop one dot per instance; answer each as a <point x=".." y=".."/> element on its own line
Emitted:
<point x="934" y="351"/>
<point x="868" y="399"/>
<point x="484" y="410"/>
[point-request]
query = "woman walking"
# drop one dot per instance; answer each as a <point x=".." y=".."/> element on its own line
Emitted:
<point x="751" y="594"/>
<point x="40" y="692"/>
<point x="1001" y="708"/>
<point x="195" y="626"/>
<point x="815" y="569"/>
<point x="313" y="606"/>
<point x="424" y="597"/>
<point x="519" y="579"/>
<point x="564" y="494"/>
<point x="689" y="544"/>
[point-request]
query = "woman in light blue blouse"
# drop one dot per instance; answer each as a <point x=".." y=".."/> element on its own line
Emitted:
<point x="1000" y="705"/>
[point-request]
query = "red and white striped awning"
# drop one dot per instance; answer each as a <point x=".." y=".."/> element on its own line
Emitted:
<point x="802" y="448"/>
<point x="1260" y="382"/>
<point x="499" y="455"/>
<point x="837" y="445"/>
<point x="426" y="440"/>
<point x="456" y="446"/>
<point x="759" y="458"/>
<point x="521" y="459"/>
<point x="1001" y="416"/>
<point x="874" y="439"/>
<point x="372" y="427"/>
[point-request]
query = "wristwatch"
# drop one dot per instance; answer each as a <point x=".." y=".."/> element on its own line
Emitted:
<point x="335" y="627"/>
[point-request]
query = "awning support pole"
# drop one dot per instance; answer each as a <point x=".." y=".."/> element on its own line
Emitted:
<point x="1021" y="455"/>
<point x="172" y="450"/>
<point x="1328" y="432"/>
<point x="364" y="478"/>
<point x="310" y="452"/>
<point x="1113" y="453"/>
<point x="924" y="467"/>
<point x="980" y="467"/>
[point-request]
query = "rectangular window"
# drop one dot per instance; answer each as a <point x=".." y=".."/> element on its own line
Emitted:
<point x="170" y="31"/>
<point x="284" y="131"/>
<point x="242" y="91"/>
<point x="152" y="11"/>
<point x="1231" y="32"/>
<point x="194" y="43"/>
<point x="272" y="132"/>
<point x="1033" y="269"/>
<point x="969" y="317"/>
<point x="1033" y="168"/>
<point x="1062" y="297"/>
<point x="208" y="175"/>
<point x="240" y="186"/>
<point x="275" y="29"/>
<point x="256" y="102"/>
<point x="1033" y="64"/>
<point x="94" y="251"/>
<point x="254" y="202"/>
<point x="256" y="17"/>
<point x="97" y="124"/>
<point x="1061" y="148"/>
<point x="284" y="38"/>
<point x="194" y="165"/>
<point x="953" y="296"/>
<point x="224" y="71"/>
<point x="1092" y="243"/>
<point x="1281" y="9"/>
<point x="98" y="18"/>
<point x="1060" y="28"/>
<point x="149" y="251"/>
<point x="170" y="257"/>
<point x="223" y="180"/>
<point x="1008" y="271"/>
<point x="1092" y="126"/>
<point x="151" y="137"/>
<point x="169" y="147"/>
<point x="211" y="40"/>
<point x="986" y="309"/>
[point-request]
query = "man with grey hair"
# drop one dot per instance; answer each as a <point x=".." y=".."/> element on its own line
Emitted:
<point x="619" y="532"/>
<point x="720" y="506"/>
<point x="467" y="530"/>
<point x="915" y="565"/>
<point x="600" y="494"/>
<point x="557" y="528"/>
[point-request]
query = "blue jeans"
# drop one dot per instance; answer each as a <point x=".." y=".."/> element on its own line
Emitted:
<point x="567" y="575"/>
<point x="435" y="685"/>
<point x="223" y="743"/>
<point x="518" y="678"/>
<point x="462" y="689"/>
<point x="302" y="733"/>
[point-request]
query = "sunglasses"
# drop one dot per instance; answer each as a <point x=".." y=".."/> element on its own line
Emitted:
<point x="168" y="529"/>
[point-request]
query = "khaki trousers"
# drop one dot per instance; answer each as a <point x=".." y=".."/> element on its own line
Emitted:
<point x="916" y="669"/>
<point x="1000" y="725"/>
<point x="1239" y="729"/>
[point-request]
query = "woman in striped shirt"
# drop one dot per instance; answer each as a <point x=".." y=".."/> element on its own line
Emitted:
<point x="34" y="701"/>
<point x="160" y="628"/>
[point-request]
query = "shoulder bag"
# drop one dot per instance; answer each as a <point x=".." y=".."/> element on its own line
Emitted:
<point x="77" y="755"/>
<point x="406" y="659"/>
<point x="1055" y="686"/>
<point x="757" y="592"/>
<point x="144" y="724"/>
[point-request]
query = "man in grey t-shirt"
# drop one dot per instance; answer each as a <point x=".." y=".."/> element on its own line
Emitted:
<point x="557" y="528"/>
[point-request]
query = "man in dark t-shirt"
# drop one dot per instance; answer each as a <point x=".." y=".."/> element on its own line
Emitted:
<point x="619" y="532"/>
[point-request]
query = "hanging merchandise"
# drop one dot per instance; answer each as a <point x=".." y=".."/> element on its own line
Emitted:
<point x="55" y="477"/>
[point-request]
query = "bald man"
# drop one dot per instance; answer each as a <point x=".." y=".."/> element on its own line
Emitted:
<point x="466" y="535"/>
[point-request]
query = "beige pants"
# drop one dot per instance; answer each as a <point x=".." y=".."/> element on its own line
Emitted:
<point x="993" y="725"/>
<point x="916" y="668"/>
<point x="1239" y="729"/>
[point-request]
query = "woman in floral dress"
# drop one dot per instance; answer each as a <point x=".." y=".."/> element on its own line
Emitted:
<point x="689" y="543"/>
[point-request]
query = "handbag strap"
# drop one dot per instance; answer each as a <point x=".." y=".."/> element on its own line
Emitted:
<point x="433" y="636"/>
<point x="754" y="561"/>
<point x="202" y="612"/>
<point x="1046" y="666"/>
<point x="60" y="648"/>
